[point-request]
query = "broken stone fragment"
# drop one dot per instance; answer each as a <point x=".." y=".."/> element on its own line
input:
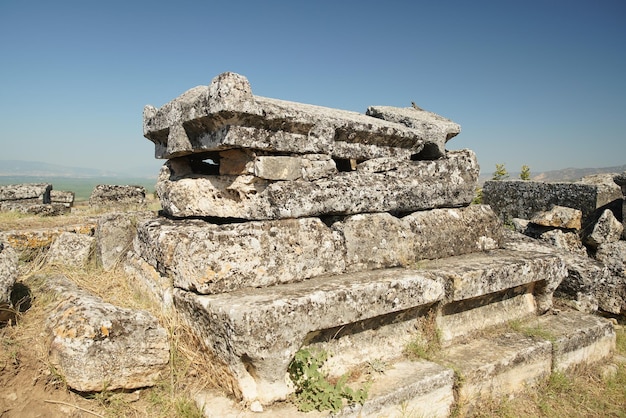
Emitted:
<point x="71" y="249"/>
<point x="620" y="180"/>
<point x="39" y="192"/>
<point x="226" y="114"/>
<point x="559" y="217"/>
<point x="97" y="346"/>
<point x="117" y="195"/>
<point x="607" y="229"/>
<point x="8" y="272"/>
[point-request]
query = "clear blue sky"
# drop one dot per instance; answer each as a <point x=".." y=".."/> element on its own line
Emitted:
<point x="537" y="82"/>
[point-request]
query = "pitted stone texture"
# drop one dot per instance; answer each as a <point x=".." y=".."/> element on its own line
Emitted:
<point x="26" y="240"/>
<point x="210" y="118"/>
<point x="381" y="240"/>
<point x="584" y="275"/>
<point x="562" y="239"/>
<point x="416" y="118"/>
<point x="620" y="180"/>
<point x="41" y="209"/>
<point x="8" y="272"/>
<point x="71" y="249"/>
<point x="607" y="229"/>
<point x="559" y="217"/>
<point x="97" y="346"/>
<point x="62" y="197"/>
<point x="577" y="338"/>
<point x="216" y="258"/>
<point x="114" y="236"/>
<point x="613" y="255"/>
<point x="118" y="195"/>
<point x="258" y="333"/>
<point x="474" y="275"/>
<point x="36" y="192"/>
<point x="521" y="199"/>
<point x="210" y="258"/>
<point x="410" y="186"/>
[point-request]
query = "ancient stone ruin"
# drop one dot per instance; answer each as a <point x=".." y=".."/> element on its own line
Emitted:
<point x="288" y="226"/>
<point x="35" y="198"/>
<point x="115" y="195"/>
<point x="583" y="222"/>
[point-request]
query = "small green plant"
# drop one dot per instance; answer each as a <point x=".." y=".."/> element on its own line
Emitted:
<point x="314" y="391"/>
<point x="478" y="198"/>
<point x="500" y="173"/>
<point x="525" y="173"/>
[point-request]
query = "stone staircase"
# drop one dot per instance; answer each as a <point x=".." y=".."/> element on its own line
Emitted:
<point x="382" y="249"/>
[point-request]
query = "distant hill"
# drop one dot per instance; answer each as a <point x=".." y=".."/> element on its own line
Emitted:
<point x="563" y="175"/>
<point x="39" y="169"/>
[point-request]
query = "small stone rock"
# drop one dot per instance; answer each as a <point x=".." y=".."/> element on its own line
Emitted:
<point x="71" y="249"/>
<point x="606" y="230"/>
<point x="8" y="272"/>
<point x="559" y="217"/>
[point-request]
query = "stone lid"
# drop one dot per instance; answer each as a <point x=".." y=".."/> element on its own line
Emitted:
<point x="202" y="119"/>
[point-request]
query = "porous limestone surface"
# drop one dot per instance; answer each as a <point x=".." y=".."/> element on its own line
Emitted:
<point x="522" y="199"/>
<point x="71" y="249"/>
<point x="211" y="258"/>
<point x="559" y="217"/>
<point x="473" y="275"/>
<point x="104" y="195"/>
<point x="257" y="333"/>
<point x="406" y="187"/>
<point x="576" y="337"/>
<point x="32" y="239"/>
<point x="39" y="192"/>
<point x="97" y="346"/>
<point x="407" y="388"/>
<point x="200" y="120"/>
<point x="504" y="363"/>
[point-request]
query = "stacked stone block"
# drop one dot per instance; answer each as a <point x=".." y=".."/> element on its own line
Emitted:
<point x="288" y="225"/>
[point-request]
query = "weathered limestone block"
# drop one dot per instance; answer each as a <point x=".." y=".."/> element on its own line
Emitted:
<point x="8" y="272"/>
<point x="62" y="197"/>
<point x="577" y="338"/>
<point x="583" y="273"/>
<point x="559" y="217"/>
<point x="71" y="249"/>
<point x="521" y="199"/>
<point x="149" y="280"/>
<point x="114" y="236"/>
<point x="33" y="239"/>
<point x="216" y="258"/>
<point x="210" y="258"/>
<point x="117" y="195"/>
<point x="381" y="240"/>
<point x="415" y="118"/>
<point x="215" y="117"/>
<point x="568" y="240"/>
<point x="613" y="255"/>
<point x="475" y="275"/>
<point x="35" y="192"/>
<point x="443" y="233"/>
<point x="41" y="209"/>
<point x="257" y="333"/>
<point x="607" y="229"/>
<point x="410" y="186"/>
<point x="98" y="346"/>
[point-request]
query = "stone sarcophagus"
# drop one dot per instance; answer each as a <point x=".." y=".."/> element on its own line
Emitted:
<point x="288" y="225"/>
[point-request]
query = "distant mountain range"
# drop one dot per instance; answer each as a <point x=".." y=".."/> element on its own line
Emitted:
<point x="563" y="175"/>
<point x="15" y="168"/>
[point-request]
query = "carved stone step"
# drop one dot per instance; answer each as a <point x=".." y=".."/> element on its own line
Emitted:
<point x="495" y="363"/>
<point x="257" y="333"/>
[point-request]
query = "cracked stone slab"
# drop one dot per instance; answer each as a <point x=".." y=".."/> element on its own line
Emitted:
<point x="199" y="121"/>
<point x="211" y="258"/>
<point x="408" y="187"/>
<point x="257" y="334"/>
